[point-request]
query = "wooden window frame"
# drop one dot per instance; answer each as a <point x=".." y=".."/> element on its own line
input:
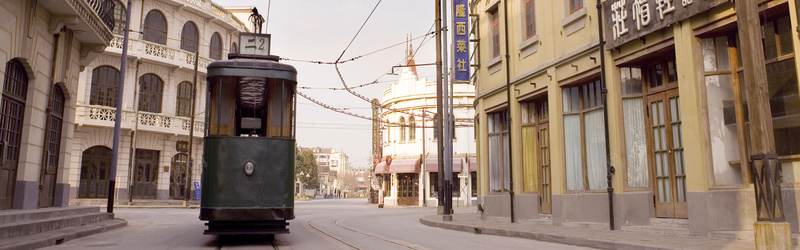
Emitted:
<point x="150" y="28"/>
<point x="150" y="97"/>
<point x="104" y="91"/>
<point x="530" y="18"/>
<point x="215" y="47"/>
<point x="183" y="100"/>
<point x="582" y="110"/>
<point x="494" y="17"/>
<point x="190" y="37"/>
<point x="575" y="5"/>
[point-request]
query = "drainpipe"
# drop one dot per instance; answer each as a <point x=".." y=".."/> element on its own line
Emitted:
<point x="508" y="117"/>
<point x="603" y="91"/>
<point x="132" y="161"/>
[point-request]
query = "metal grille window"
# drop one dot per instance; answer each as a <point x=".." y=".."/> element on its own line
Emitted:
<point x="105" y="83"/>
<point x="15" y="89"/>
<point x="499" y="172"/>
<point x="119" y="18"/>
<point x="150" y="90"/>
<point x="189" y="37"/>
<point x="183" y="107"/>
<point x="155" y="27"/>
<point x="584" y="137"/>
<point x="95" y="167"/>
<point x="215" y="50"/>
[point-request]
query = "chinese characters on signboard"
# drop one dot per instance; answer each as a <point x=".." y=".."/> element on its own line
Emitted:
<point x="626" y="20"/>
<point x="254" y="44"/>
<point x="461" y="40"/>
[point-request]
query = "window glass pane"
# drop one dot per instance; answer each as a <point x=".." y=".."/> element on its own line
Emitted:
<point x="595" y="149"/>
<point x="709" y="54"/>
<point x="636" y="78"/>
<point x="785" y="35"/>
<point x="189" y="37"/>
<point x="723" y="61"/>
<point x="635" y="143"/>
<point x="625" y="79"/>
<point x="566" y="100"/>
<point x="656" y="76"/>
<point x="672" y="74"/>
<point x="572" y="149"/>
<point x="724" y="136"/>
<point x="785" y="105"/>
<point x="575" y="98"/>
<point x="770" y="45"/>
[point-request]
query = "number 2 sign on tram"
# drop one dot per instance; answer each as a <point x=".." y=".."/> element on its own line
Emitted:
<point x="254" y="44"/>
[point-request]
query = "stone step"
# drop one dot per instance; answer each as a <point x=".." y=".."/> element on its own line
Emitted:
<point x="32" y="227"/>
<point x="662" y="222"/>
<point x="665" y="230"/>
<point x="56" y="237"/>
<point x="589" y="225"/>
<point x="104" y="202"/>
<point x="15" y="215"/>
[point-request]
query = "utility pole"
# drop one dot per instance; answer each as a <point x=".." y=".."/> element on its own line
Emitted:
<point x="439" y="108"/>
<point x="118" y="116"/>
<point x="771" y="230"/>
<point x="446" y="127"/>
<point x="190" y="162"/>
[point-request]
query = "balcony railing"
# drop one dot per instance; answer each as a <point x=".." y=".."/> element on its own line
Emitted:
<point x="161" y="53"/>
<point x="104" y="9"/>
<point x="104" y="116"/>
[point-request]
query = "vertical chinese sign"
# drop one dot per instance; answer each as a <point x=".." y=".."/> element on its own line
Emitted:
<point x="461" y="40"/>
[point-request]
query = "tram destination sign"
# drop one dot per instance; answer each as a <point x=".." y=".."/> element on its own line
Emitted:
<point x="627" y="20"/>
<point x="254" y="44"/>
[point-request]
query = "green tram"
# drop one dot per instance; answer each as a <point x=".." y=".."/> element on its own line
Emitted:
<point x="249" y="146"/>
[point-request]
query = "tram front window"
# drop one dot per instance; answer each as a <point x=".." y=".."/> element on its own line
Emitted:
<point x="250" y="107"/>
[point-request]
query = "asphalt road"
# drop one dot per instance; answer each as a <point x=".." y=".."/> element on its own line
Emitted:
<point x="319" y="224"/>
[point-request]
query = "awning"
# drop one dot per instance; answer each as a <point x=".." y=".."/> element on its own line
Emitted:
<point x="381" y="168"/>
<point x="432" y="165"/>
<point x="404" y="166"/>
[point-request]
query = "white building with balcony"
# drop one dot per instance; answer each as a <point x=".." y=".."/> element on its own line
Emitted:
<point x="408" y="110"/>
<point x="164" y="37"/>
<point x="44" y="45"/>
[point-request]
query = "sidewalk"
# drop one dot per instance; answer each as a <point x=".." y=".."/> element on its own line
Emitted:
<point x="580" y="236"/>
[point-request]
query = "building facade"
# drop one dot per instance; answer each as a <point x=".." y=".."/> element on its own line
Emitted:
<point x="676" y="107"/>
<point x="408" y="109"/>
<point x="332" y="168"/>
<point x="165" y="36"/>
<point x="44" y="45"/>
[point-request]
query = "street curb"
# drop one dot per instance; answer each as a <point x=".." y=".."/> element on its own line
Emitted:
<point x="435" y="221"/>
<point x="57" y="237"/>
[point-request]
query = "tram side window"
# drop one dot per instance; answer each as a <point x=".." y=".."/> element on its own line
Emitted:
<point x="251" y="106"/>
<point x="280" y="108"/>
<point x="222" y="93"/>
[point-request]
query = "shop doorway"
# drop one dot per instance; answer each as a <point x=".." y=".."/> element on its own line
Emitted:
<point x="177" y="176"/>
<point x="145" y="179"/>
<point x="407" y="189"/>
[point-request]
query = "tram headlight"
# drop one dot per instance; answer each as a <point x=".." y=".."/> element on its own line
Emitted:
<point x="249" y="168"/>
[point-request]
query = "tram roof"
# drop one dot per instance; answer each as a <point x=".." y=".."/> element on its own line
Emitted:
<point x="257" y="67"/>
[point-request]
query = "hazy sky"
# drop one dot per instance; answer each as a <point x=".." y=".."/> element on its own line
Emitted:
<point x="320" y="30"/>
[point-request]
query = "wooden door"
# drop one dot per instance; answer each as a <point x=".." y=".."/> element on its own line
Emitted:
<point x="95" y="167"/>
<point x="666" y="154"/>
<point x="546" y="193"/>
<point x="10" y="134"/>
<point x="177" y="176"/>
<point x="48" y="174"/>
<point x="145" y="179"/>
<point x="407" y="189"/>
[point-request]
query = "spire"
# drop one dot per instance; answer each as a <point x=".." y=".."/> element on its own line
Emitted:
<point x="410" y="61"/>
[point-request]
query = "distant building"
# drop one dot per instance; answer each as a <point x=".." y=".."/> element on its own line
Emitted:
<point x="165" y="36"/>
<point x="332" y="167"/>
<point x="44" y="46"/>
<point x="408" y="108"/>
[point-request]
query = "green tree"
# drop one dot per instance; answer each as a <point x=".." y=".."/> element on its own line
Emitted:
<point x="305" y="163"/>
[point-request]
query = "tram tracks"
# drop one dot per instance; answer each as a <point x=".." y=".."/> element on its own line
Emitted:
<point x="238" y="241"/>
<point x="339" y="224"/>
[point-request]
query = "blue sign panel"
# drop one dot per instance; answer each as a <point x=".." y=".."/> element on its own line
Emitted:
<point x="461" y="40"/>
<point x="196" y="191"/>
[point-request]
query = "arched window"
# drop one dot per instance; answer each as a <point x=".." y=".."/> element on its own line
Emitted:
<point x="234" y="48"/>
<point x="412" y="129"/>
<point x="155" y="27"/>
<point x="402" y="129"/>
<point x="184" y="104"/>
<point x="95" y="167"/>
<point x="189" y="37"/>
<point x="15" y="91"/>
<point x="151" y="88"/>
<point x="119" y="18"/>
<point x="105" y="83"/>
<point x="215" y="50"/>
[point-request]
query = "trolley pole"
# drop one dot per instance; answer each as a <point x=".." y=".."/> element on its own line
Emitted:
<point x="190" y="162"/>
<point x="118" y="116"/>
